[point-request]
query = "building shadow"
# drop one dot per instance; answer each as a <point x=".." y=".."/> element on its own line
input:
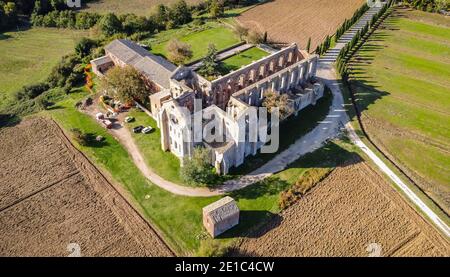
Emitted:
<point x="253" y="224"/>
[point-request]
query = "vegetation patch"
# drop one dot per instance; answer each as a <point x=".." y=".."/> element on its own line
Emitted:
<point x="28" y="57"/>
<point x="304" y="183"/>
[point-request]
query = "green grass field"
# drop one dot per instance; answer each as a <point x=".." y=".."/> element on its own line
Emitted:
<point x="27" y="57"/>
<point x="402" y="80"/>
<point x="244" y="58"/>
<point x="165" y="164"/>
<point x="198" y="37"/>
<point x="179" y="218"/>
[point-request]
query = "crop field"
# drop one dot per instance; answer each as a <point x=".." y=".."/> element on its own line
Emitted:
<point x="288" y="21"/>
<point x="342" y="216"/>
<point x="28" y="56"/>
<point x="52" y="196"/>
<point x="401" y="78"/>
<point x="138" y="7"/>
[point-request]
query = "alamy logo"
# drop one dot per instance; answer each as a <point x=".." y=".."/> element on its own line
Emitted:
<point x="74" y="3"/>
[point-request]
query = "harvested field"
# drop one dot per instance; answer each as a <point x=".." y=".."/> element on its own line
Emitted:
<point x="51" y="196"/>
<point x="342" y="215"/>
<point x="288" y="21"/>
<point x="139" y="7"/>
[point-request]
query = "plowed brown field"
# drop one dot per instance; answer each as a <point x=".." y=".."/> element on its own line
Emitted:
<point x="51" y="196"/>
<point x="288" y="21"/>
<point x="351" y="209"/>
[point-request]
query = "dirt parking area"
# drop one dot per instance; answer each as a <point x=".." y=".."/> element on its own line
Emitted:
<point x="342" y="216"/>
<point x="51" y="196"/>
<point x="288" y="21"/>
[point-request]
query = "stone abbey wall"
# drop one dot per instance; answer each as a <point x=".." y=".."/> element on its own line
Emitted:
<point x="224" y="87"/>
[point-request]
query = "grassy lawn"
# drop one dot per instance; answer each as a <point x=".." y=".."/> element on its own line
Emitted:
<point x="28" y="56"/>
<point x="199" y="37"/>
<point x="165" y="164"/>
<point x="179" y="218"/>
<point x="402" y="80"/>
<point x="244" y="58"/>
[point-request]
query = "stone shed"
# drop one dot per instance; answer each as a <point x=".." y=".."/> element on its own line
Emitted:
<point x="220" y="216"/>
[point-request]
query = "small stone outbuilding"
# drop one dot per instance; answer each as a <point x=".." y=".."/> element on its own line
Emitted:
<point x="220" y="216"/>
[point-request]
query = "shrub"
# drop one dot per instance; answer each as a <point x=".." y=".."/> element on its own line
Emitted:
<point x="179" y="52"/>
<point x="31" y="91"/>
<point x="80" y="137"/>
<point x="304" y="183"/>
<point x="61" y="72"/>
<point x="255" y="37"/>
<point x="42" y="103"/>
<point x="84" y="47"/>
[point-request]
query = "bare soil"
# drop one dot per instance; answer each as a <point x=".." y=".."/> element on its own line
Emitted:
<point x="51" y="196"/>
<point x="288" y="21"/>
<point x="342" y="216"/>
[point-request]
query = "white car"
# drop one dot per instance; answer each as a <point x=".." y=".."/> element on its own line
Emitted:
<point x="100" y="116"/>
<point x="147" y="130"/>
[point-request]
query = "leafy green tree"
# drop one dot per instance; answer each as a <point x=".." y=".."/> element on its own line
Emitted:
<point x="125" y="84"/>
<point x="84" y="46"/>
<point x="160" y="15"/>
<point x="109" y="24"/>
<point x="180" y="13"/>
<point x="210" y="67"/>
<point x="198" y="170"/>
<point x="308" y="45"/>
<point x="216" y="8"/>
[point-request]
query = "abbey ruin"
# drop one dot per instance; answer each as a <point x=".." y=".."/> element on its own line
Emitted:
<point x="178" y="93"/>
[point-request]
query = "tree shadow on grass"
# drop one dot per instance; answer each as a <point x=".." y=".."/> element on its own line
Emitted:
<point x="9" y="120"/>
<point x="4" y="36"/>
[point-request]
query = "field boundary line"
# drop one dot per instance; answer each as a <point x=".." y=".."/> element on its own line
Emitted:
<point x="157" y="232"/>
<point x="39" y="191"/>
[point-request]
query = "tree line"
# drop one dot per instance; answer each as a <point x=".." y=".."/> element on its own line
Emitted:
<point x="348" y="50"/>
<point x="56" y="13"/>
<point x="348" y="23"/>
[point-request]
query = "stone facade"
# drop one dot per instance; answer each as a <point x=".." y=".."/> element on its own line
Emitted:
<point x="220" y="216"/>
<point x="225" y="103"/>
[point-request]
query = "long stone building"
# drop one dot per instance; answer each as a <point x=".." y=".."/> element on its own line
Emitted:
<point x="178" y="94"/>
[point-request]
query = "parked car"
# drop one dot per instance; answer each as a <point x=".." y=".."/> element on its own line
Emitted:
<point x="108" y="124"/>
<point x="129" y="119"/>
<point x="138" y="129"/>
<point x="100" y="116"/>
<point x="147" y="130"/>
